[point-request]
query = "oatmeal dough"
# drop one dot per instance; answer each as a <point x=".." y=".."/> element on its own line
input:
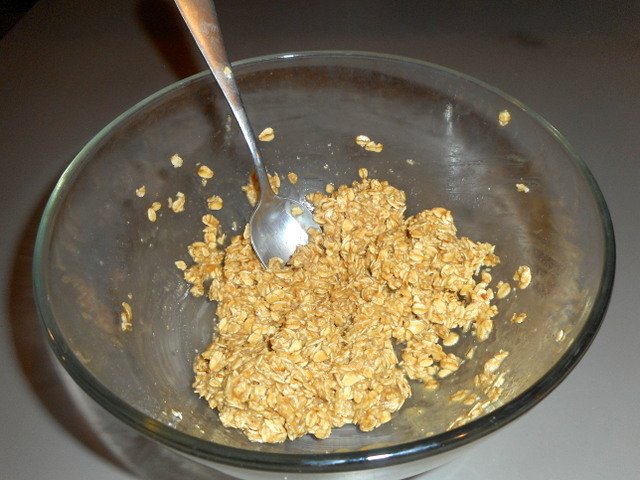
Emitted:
<point x="309" y="346"/>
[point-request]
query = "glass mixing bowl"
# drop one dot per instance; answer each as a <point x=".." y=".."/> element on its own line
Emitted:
<point x="443" y="145"/>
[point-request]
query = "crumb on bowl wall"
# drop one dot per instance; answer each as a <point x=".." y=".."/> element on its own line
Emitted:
<point x="267" y="135"/>
<point x="215" y="202"/>
<point x="177" y="205"/>
<point x="205" y="172"/>
<point x="126" y="317"/>
<point x="522" y="276"/>
<point x="176" y="160"/>
<point x="518" y="317"/>
<point x="504" y="117"/>
<point x="368" y="144"/>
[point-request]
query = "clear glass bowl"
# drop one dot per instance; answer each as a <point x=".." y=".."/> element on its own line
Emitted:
<point x="96" y="248"/>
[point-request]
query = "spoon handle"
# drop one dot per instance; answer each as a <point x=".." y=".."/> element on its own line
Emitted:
<point x="202" y="20"/>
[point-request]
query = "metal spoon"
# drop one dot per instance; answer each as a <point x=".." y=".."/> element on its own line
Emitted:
<point x="278" y="225"/>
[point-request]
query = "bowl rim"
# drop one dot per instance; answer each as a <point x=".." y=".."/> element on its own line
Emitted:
<point x="327" y="462"/>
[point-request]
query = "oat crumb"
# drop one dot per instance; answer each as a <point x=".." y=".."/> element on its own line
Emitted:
<point x="151" y="211"/>
<point x="365" y="142"/>
<point x="373" y="147"/>
<point x="293" y="178"/>
<point x="504" y="117"/>
<point x="176" y="160"/>
<point x="522" y="276"/>
<point x="126" y="317"/>
<point x="267" y="135"/>
<point x="471" y="353"/>
<point x="450" y="339"/>
<point x="491" y="365"/>
<point x="487" y="391"/>
<point x="521" y="187"/>
<point x="274" y="181"/>
<point x="518" y="317"/>
<point x="251" y="190"/>
<point x="214" y="203"/>
<point x="459" y="396"/>
<point x="205" y="172"/>
<point x="177" y="205"/>
<point x="296" y="211"/>
<point x="141" y="191"/>
<point x="362" y="140"/>
<point x="504" y="288"/>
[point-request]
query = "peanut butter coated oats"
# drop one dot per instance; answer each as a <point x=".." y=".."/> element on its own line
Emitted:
<point x="309" y="346"/>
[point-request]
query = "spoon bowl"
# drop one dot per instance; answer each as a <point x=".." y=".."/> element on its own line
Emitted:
<point x="278" y="226"/>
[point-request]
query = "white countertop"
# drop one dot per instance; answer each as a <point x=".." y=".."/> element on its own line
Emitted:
<point x="70" y="67"/>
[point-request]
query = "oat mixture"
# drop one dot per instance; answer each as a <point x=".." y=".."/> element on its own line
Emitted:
<point x="309" y="346"/>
